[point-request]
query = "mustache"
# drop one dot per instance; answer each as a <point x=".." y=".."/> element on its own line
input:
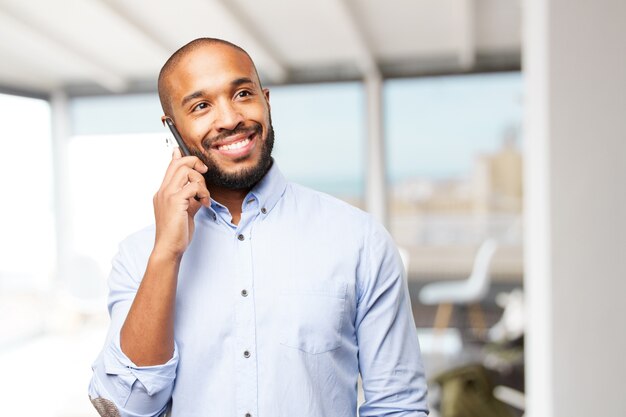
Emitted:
<point x="208" y="142"/>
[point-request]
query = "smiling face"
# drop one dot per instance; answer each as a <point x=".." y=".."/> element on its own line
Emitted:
<point x="219" y="108"/>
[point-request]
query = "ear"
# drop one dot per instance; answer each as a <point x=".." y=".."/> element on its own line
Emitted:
<point x="266" y="94"/>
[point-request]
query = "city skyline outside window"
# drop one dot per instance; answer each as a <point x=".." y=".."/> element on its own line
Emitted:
<point x="454" y="163"/>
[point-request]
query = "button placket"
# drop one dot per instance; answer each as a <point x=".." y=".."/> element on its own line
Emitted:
<point x="246" y="372"/>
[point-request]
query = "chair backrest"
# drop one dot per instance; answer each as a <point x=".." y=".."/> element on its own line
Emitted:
<point x="480" y="279"/>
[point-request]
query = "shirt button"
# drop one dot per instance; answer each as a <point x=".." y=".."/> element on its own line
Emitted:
<point x="264" y="210"/>
<point x="214" y="216"/>
<point x="244" y="293"/>
<point x="241" y="237"/>
<point x="246" y="354"/>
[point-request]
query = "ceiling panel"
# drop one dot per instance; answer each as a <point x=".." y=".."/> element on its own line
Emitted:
<point x="411" y="28"/>
<point x="498" y="25"/>
<point x="117" y="44"/>
<point x="27" y="55"/>
<point x="92" y="30"/>
<point x="303" y="32"/>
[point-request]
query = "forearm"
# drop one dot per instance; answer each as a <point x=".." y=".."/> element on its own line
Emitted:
<point x="147" y="336"/>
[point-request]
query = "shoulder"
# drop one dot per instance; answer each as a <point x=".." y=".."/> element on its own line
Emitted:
<point x="139" y="239"/>
<point x="323" y="212"/>
<point x="134" y="251"/>
<point x="320" y="204"/>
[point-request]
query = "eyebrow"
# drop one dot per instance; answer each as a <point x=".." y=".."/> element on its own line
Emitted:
<point x="200" y="93"/>
<point x="240" y="81"/>
<point x="192" y="96"/>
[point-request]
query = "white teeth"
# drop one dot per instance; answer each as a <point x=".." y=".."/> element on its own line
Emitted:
<point x="235" y="145"/>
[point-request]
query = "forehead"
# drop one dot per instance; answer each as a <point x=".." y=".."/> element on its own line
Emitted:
<point x="209" y="68"/>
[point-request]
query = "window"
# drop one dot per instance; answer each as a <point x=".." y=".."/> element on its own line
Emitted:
<point x="455" y="168"/>
<point x="27" y="243"/>
<point x="27" y="240"/>
<point x="320" y="137"/>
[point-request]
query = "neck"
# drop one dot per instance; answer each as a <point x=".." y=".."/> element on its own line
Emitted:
<point x="232" y="199"/>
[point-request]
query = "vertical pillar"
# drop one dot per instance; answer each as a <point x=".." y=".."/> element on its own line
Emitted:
<point x="376" y="185"/>
<point x="467" y="32"/>
<point x="575" y="76"/>
<point x="60" y="136"/>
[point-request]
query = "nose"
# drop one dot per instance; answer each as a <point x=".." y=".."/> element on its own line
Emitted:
<point x="227" y="117"/>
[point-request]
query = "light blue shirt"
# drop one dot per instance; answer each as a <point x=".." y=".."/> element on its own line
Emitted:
<point x="275" y="316"/>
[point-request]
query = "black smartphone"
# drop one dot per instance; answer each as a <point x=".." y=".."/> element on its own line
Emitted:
<point x="179" y="139"/>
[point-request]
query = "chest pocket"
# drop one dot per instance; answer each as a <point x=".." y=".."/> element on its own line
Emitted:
<point x="312" y="317"/>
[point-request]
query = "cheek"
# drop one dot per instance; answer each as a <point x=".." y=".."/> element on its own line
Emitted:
<point x="259" y="113"/>
<point x="198" y="129"/>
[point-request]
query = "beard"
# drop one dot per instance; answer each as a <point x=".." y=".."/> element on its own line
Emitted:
<point x="246" y="178"/>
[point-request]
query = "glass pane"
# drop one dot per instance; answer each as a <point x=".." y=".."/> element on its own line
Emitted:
<point x="112" y="181"/>
<point x="320" y="136"/>
<point x="455" y="170"/>
<point x="27" y="239"/>
<point x="27" y="243"/>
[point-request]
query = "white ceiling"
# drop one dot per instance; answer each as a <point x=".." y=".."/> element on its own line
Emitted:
<point x="119" y="45"/>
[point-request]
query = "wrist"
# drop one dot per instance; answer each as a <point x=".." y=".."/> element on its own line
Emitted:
<point x="164" y="255"/>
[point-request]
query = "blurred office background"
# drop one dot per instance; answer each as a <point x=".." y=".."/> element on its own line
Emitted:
<point x="487" y="135"/>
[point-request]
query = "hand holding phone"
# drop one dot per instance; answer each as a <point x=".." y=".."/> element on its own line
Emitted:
<point x="179" y="139"/>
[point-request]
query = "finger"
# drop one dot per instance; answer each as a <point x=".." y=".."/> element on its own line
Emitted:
<point x="181" y="177"/>
<point x="197" y="165"/>
<point x="192" y="190"/>
<point x="198" y="201"/>
<point x="192" y="162"/>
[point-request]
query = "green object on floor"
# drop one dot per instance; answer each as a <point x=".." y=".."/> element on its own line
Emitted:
<point x="468" y="392"/>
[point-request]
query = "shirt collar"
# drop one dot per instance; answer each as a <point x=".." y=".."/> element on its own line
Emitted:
<point x="269" y="190"/>
<point x="266" y="192"/>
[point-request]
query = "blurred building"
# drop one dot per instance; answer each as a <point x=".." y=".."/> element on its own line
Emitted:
<point x="497" y="178"/>
<point x="442" y="221"/>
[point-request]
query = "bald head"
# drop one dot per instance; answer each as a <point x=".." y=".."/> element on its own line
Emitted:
<point x="164" y="83"/>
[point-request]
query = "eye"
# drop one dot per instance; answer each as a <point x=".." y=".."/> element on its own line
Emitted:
<point x="244" y="93"/>
<point x="200" y="106"/>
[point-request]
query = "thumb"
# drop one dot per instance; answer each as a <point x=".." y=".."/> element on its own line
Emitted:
<point x="176" y="154"/>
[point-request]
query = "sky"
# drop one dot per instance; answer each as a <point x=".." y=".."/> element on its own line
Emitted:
<point x="436" y="125"/>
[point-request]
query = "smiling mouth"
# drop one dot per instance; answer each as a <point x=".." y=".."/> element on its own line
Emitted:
<point x="235" y="145"/>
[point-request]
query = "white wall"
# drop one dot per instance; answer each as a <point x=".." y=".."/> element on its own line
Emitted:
<point x="575" y="69"/>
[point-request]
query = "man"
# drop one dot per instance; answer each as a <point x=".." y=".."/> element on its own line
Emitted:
<point x="251" y="296"/>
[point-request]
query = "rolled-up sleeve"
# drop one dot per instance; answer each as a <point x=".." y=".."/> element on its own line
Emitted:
<point x="389" y="355"/>
<point x="117" y="384"/>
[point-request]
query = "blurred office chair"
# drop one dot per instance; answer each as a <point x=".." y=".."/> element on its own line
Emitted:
<point x="469" y="292"/>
